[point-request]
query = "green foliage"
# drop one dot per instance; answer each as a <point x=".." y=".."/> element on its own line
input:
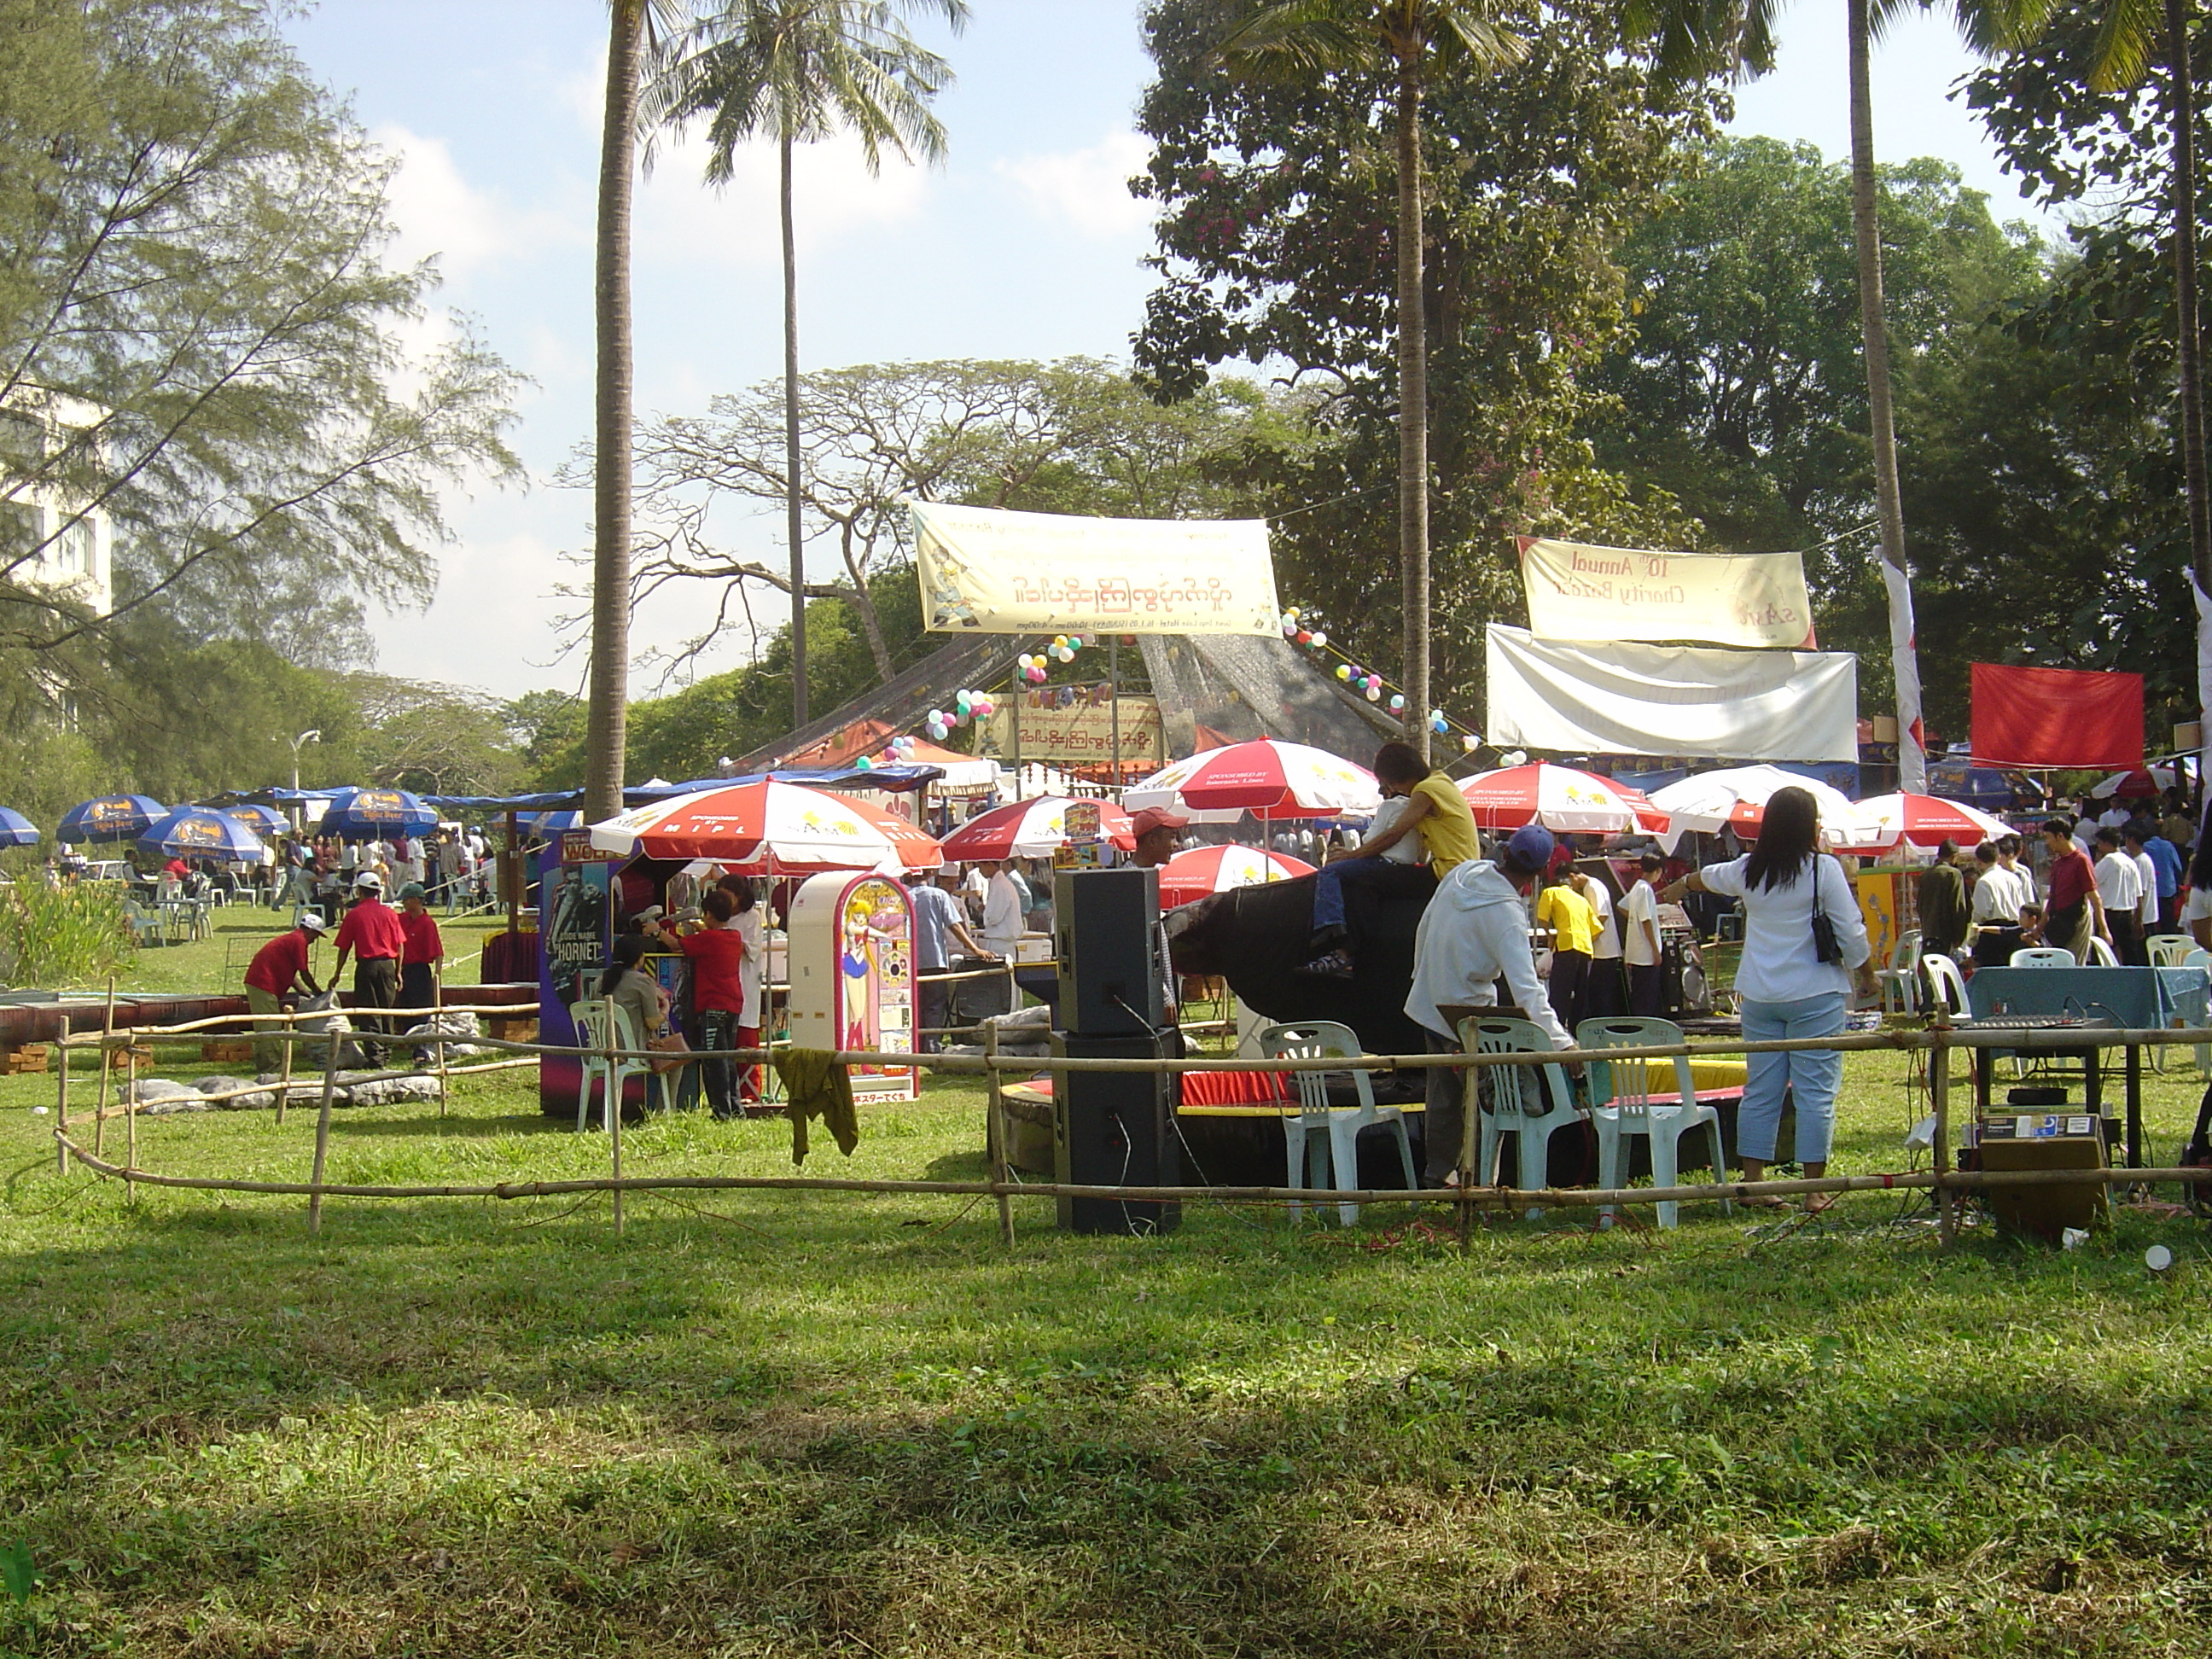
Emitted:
<point x="1275" y="232"/>
<point x="57" y="937"/>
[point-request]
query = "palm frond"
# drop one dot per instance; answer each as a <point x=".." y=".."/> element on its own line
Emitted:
<point x="2129" y="36"/>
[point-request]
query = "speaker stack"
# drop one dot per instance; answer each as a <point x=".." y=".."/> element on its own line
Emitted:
<point x="1112" y="1128"/>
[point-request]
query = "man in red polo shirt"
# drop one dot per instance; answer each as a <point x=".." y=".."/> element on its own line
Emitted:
<point x="372" y="932"/>
<point x="277" y="969"/>
<point x="418" y="962"/>
<point x="2077" y="914"/>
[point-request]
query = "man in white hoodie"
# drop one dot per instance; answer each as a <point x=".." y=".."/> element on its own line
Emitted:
<point x="1474" y="932"/>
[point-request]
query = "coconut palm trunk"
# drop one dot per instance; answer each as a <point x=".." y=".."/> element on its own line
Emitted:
<point x="1911" y="754"/>
<point x="1412" y="411"/>
<point x="794" y="528"/>
<point x="2188" y="338"/>
<point x="607" y="712"/>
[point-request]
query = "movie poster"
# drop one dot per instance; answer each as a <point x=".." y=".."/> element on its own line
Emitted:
<point x="578" y="914"/>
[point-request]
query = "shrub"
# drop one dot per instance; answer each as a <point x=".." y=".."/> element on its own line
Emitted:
<point x="59" y="936"/>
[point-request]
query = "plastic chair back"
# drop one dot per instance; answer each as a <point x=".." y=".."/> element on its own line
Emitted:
<point x="1516" y="1090"/>
<point x="2197" y="957"/>
<point x="1950" y="984"/>
<point x="2043" y="956"/>
<point x="1626" y="1087"/>
<point x="1318" y="1039"/>
<point x="1903" y="954"/>
<point x="2171" y="950"/>
<point x="2101" y="955"/>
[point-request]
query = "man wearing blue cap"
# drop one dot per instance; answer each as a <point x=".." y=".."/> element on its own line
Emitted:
<point x="1474" y="932"/>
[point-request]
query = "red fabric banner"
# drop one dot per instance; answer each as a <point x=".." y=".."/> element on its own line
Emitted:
<point x="2057" y="717"/>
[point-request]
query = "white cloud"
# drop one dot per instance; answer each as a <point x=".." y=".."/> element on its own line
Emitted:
<point x="681" y="220"/>
<point x="1085" y="188"/>
<point x="439" y="212"/>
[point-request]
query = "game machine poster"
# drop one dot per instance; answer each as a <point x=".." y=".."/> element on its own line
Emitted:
<point x="578" y="926"/>
<point x="852" y="976"/>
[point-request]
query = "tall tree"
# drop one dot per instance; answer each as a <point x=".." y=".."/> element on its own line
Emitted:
<point x="1413" y="43"/>
<point x="630" y="27"/>
<point x="800" y="71"/>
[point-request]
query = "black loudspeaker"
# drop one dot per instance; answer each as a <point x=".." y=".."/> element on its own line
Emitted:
<point x="1114" y="1129"/>
<point x="1102" y="922"/>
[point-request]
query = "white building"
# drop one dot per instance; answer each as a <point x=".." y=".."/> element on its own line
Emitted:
<point x="75" y="547"/>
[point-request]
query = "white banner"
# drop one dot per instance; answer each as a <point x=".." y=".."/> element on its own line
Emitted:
<point x="1578" y="591"/>
<point x="1043" y="573"/>
<point x="1671" y="699"/>
<point x="1904" y="668"/>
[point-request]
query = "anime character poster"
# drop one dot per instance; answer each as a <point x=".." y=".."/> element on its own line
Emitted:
<point x="875" y="977"/>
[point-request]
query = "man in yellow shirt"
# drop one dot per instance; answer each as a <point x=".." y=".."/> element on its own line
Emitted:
<point x="1435" y="810"/>
<point x="1573" y="923"/>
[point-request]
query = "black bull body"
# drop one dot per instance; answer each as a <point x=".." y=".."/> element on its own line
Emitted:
<point x="1256" y="937"/>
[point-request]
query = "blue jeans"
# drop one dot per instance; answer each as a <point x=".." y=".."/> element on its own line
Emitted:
<point x="1328" y="888"/>
<point x="1811" y="1075"/>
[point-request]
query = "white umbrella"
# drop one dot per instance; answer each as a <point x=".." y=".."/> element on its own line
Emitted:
<point x="2143" y="781"/>
<point x="1737" y="796"/>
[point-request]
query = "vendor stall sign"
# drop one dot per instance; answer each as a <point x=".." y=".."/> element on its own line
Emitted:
<point x="1041" y="573"/>
<point x="1080" y="734"/>
<point x="1578" y="591"/>
<point x="576" y="848"/>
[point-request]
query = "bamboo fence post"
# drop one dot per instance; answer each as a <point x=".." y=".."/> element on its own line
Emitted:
<point x="61" y="1100"/>
<point x="130" y="1133"/>
<point x="288" y="1034"/>
<point x="994" y="1133"/>
<point x="106" y="1064"/>
<point x="323" y="1129"/>
<point x="613" y="1115"/>
<point x="437" y="1017"/>
<point x="1939" y="1098"/>
<point x="1470" y="1122"/>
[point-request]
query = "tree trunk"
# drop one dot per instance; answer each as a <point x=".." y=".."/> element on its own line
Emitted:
<point x="864" y="602"/>
<point x="1911" y="737"/>
<point x="607" y="715"/>
<point x="1412" y="411"/>
<point x="2181" y="98"/>
<point x="793" y="530"/>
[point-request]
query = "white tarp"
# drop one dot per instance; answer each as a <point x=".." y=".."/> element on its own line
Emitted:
<point x="1047" y="572"/>
<point x="1578" y="592"/>
<point x="1671" y="699"/>
<point x="1904" y="668"/>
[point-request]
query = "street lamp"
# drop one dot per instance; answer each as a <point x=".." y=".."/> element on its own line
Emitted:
<point x="313" y="735"/>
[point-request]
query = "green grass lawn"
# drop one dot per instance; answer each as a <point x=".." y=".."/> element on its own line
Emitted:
<point x="776" y="1423"/>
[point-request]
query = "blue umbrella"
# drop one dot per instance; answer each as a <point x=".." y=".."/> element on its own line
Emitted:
<point x="549" y="824"/>
<point x="263" y="821"/>
<point x="16" y="831"/>
<point x="364" y="814"/>
<point x="203" y="832"/>
<point x="112" y="818"/>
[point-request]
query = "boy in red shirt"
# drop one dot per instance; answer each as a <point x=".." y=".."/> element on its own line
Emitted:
<point x="718" y="953"/>
<point x="419" y="958"/>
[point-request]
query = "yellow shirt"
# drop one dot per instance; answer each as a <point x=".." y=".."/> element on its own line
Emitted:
<point x="1446" y="830"/>
<point x="1568" y="915"/>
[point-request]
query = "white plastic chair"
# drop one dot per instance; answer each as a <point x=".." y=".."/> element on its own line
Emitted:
<point x="1529" y="1102"/>
<point x="2198" y="957"/>
<point x="2101" y="954"/>
<point x="603" y="1024"/>
<point x="1898" y="991"/>
<point x="1622" y="1108"/>
<point x="2043" y="956"/>
<point x="1950" y="984"/>
<point x="1322" y="1142"/>
<point x="2170" y="949"/>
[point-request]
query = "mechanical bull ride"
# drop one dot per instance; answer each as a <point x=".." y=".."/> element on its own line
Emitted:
<point x="1257" y="939"/>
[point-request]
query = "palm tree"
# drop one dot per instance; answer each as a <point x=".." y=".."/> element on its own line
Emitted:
<point x="800" y="71"/>
<point x="1413" y="42"/>
<point x="633" y="25"/>
<point x="1699" y="36"/>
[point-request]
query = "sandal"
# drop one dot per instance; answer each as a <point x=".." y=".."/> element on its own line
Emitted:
<point x="1820" y="1203"/>
<point x="1334" y="965"/>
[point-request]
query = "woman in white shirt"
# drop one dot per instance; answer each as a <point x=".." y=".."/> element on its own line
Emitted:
<point x="1785" y="989"/>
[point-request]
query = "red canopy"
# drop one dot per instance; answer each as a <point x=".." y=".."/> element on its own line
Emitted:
<point x="2057" y="717"/>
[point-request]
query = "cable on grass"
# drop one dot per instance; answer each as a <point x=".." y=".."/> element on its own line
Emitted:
<point x="70" y="1196"/>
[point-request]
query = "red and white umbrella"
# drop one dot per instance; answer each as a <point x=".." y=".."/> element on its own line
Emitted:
<point x="2140" y="784"/>
<point x="1188" y="877"/>
<point x="1922" y="820"/>
<point x="1030" y="829"/>
<point x="1561" y="799"/>
<point x="1273" y="779"/>
<point x="755" y="827"/>
<point x="1736" y="796"/>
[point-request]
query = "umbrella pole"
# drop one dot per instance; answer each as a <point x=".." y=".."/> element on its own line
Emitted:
<point x="1114" y="700"/>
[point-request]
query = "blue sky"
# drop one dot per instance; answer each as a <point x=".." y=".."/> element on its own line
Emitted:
<point x="1025" y="245"/>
